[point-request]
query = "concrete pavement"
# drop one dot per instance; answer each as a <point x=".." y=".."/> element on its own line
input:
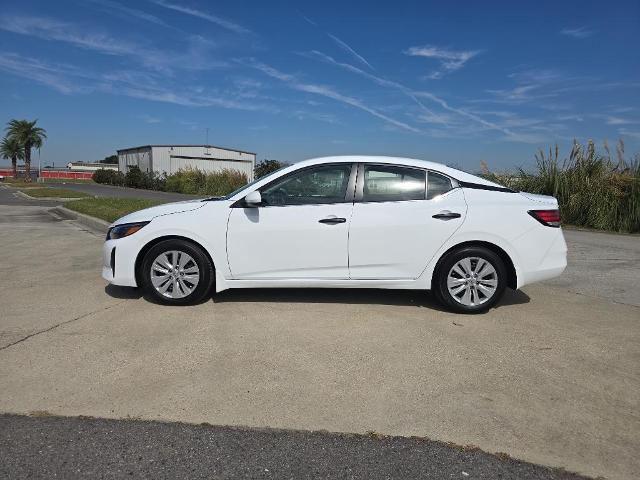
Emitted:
<point x="549" y="376"/>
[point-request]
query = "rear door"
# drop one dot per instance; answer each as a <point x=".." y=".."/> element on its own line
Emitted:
<point x="402" y="215"/>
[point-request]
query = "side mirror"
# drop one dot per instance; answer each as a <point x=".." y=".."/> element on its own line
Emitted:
<point x="253" y="199"/>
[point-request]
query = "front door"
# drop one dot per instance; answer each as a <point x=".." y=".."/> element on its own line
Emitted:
<point x="301" y="231"/>
<point x="398" y="225"/>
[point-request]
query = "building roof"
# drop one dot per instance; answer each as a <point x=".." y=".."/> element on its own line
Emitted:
<point x="169" y="146"/>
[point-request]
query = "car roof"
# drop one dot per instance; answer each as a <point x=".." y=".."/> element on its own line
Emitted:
<point x="412" y="162"/>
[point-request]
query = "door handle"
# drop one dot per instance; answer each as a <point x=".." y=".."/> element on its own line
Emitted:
<point x="332" y="220"/>
<point x="446" y="215"/>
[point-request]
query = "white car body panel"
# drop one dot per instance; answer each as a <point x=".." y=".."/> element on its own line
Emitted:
<point x="410" y="239"/>
<point x="381" y="245"/>
<point x="275" y="242"/>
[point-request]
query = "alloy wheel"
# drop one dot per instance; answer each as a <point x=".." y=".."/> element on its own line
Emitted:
<point x="174" y="274"/>
<point x="472" y="281"/>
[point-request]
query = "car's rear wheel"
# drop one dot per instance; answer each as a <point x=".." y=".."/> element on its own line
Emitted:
<point x="470" y="280"/>
<point x="177" y="272"/>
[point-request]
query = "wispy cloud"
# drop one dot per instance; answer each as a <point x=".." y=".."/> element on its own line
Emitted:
<point x="209" y="17"/>
<point x="195" y="58"/>
<point x="383" y="82"/>
<point x="53" y="76"/>
<point x="520" y="94"/>
<point x="629" y="133"/>
<point x="350" y="51"/>
<point x="452" y="121"/>
<point x="609" y="120"/>
<point x="149" y="119"/>
<point x="450" y="60"/>
<point x="539" y="84"/>
<point x="308" y="20"/>
<point x="127" y="12"/>
<point x="70" y="79"/>
<point x="579" y="32"/>
<point x="341" y="43"/>
<point x="325" y="91"/>
<point x="471" y="116"/>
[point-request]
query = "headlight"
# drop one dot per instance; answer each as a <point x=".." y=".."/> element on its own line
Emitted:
<point x="124" y="230"/>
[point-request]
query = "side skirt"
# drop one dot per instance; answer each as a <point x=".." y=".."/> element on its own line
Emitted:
<point x="224" y="284"/>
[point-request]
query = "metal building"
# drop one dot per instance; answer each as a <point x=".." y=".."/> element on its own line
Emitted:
<point x="90" y="167"/>
<point x="171" y="158"/>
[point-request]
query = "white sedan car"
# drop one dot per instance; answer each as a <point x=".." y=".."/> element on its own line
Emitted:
<point x="361" y="222"/>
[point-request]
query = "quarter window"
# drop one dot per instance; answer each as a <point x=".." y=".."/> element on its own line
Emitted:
<point x="389" y="183"/>
<point x="437" y="184"/>
<point x="322" y="184"/>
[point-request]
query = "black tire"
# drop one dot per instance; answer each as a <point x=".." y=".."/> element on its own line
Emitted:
<point x="441" y="274"/>
<point x="206" y="272"/>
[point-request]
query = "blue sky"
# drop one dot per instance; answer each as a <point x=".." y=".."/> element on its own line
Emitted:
<point x="452" y="82"/>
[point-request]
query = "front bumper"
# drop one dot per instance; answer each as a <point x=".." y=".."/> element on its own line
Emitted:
<point x="118" y="262"/>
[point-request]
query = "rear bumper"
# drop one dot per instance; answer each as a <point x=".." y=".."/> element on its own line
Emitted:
<point x="550" y="265"/>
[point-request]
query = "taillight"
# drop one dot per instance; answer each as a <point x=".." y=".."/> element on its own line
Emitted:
<point x="550" y="218"/>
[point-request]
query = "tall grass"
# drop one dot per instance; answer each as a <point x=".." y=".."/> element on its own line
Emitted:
<point x="594" y="190"/>
<point x="197" y="182"/>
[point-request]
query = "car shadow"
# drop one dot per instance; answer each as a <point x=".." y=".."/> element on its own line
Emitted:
<point x="413" y="298"/>
<point x="128" y="293"/>
<point x="354" y="296"/>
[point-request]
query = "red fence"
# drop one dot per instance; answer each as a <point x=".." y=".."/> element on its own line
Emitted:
<point x="65" y="174"/>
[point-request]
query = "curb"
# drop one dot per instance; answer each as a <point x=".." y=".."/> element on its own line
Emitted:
<point x="61" y="199"/>
<point x="88" y="221"/>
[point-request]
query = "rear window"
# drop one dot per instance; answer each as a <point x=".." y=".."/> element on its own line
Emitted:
<point x="384" y="183"/>
<point x="437" y="184"/>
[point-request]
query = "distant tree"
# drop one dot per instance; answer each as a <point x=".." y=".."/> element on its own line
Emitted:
<point x="11" y="149"/>
<point x="29" y="136"/>
<point x="111" y="159"/>
<point x="267" y="166"/>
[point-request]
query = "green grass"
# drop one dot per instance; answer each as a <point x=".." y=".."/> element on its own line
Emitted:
<point x="54" y="192"/>
<point x="11" y="182"/>
<point x="110" y="209"/>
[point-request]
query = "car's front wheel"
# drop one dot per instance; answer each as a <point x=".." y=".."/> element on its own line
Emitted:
<point x="177" y="272"/>
<point x="470" y="280"/>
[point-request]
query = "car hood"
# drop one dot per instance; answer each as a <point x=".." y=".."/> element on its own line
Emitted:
<point x="165" y="209"/>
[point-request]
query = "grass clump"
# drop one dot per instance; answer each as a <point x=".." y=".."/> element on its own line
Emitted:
<point x="110" y="209"/>
<point x="45" y="192"/>
<point x="593" y="190"/>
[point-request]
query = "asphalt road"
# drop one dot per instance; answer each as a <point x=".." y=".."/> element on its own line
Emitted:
<point x="36" y="447"/>
<point x="550" y="376"/>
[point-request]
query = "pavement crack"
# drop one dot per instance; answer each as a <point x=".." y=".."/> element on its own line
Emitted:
<point x="66" y="322"/>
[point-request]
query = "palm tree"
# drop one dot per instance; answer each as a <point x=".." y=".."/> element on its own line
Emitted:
<point x="11" y="149"/>
<point x="29" y="136"/>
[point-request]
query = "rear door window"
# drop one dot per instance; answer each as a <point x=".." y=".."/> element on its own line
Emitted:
<point x="389" y="183"/>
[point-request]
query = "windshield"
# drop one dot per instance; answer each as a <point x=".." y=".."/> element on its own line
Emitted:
<point x="235" y="192"/>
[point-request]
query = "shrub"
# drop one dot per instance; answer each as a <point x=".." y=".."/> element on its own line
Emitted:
<point x="190" y="181"/>
<point x="197" y="182"/>
<point x="267" y="166"/>
<point x="109" y="177"/>
<point x="593" y="190"/>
